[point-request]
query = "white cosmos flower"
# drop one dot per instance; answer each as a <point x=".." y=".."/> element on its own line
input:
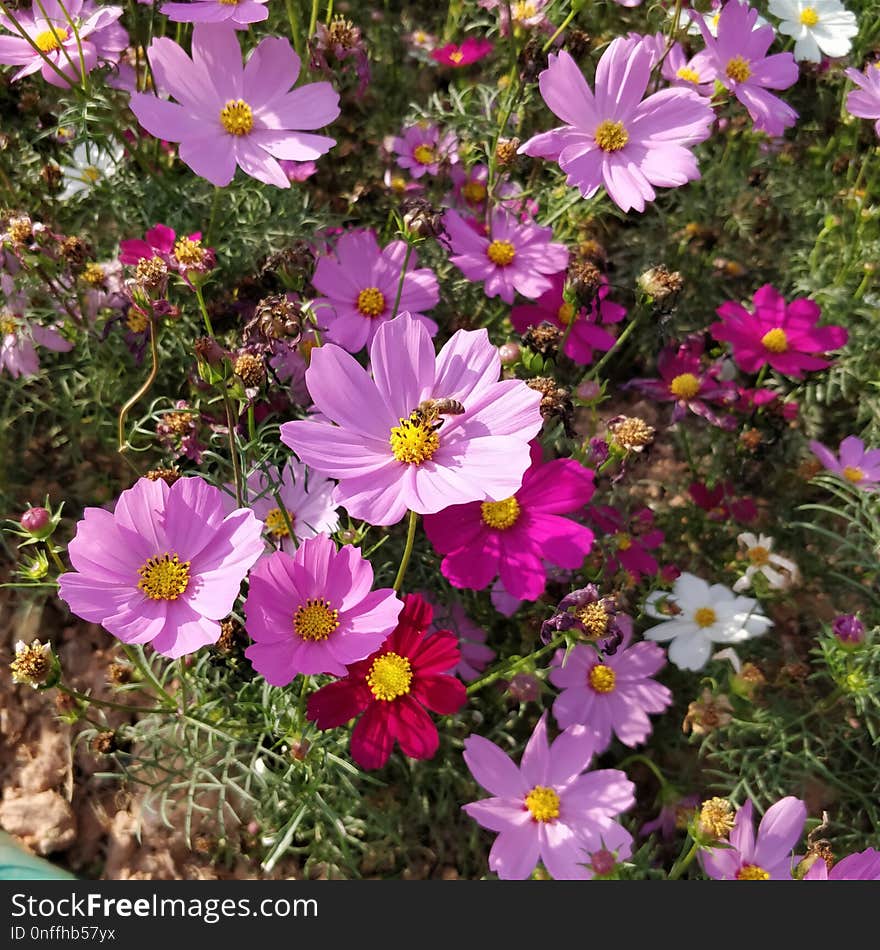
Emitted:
<point x="706" y="614"/>
<point x="688" y="18"/>
<point x="89" y="165"/>
<point x="759" y="553"/>
<point x="818" y="26"/>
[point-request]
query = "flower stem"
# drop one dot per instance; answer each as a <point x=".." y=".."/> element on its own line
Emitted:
<point x="233" y="451"/>
<point x="684" y="861"/>
<point x="407" y="551"/>
<point x="106" y="704"/>
<point x="135" y="658"/>
<point x="397" y="297"/>
<point x="154" y="369"/>
<point x="313" y="20"/>
<point x="514" y="664"/>
<point x="295" y="33"/>
<point x="54" y="555"/>
<point x="645" y="761"/>
<point x="572" y="14"/>
<point x="200" y="297"/>
<point x="627" y="331"/>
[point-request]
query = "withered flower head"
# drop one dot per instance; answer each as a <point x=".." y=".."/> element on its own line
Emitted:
<point x="34" y="664"/>
<point x="76" y="252"/>
<point x="505" y="152"/>
<point x="717" y="817"/>
<point x="275" y="318"/>
<point x="20" y="229"/>
<point x="250" y="369"/>
<point x="544" y="339"/>
<point x="631" y="433"/>
<point x="421" y="217"/>
<point x="585" y="278"/>
<point x="660" y="283"/>
<point x="151" y="273"/>
<point x="167" y="475"/>
<point x="556" y="402"/>
<point x="707" y="714"/>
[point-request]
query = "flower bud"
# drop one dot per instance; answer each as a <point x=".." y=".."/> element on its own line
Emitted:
<point x="36" y="521"/>
<point x="848" y="629"/>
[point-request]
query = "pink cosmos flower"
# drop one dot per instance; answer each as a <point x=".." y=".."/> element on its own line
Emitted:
<point x="610" y="694"/>
<point x="864" y="102"/>
<point x="853" y="463"/>
<point x="513" y="256"/>
<point x="545" y="809"/>
<point x="389" y="454"/>
<point x="587" y="334"/>
<point x="48" y="25"/>
<point x="783" y="336"/>
<point x="19" y="338"/>
<point x="512" y="538"/>
<point x="298" y="171"/>
<point x="239" y="13"/>
<point x="164" y="567"/>
<point x="228" y="115"/>
<point x="314" y="612"/>
<point x="613" y="138"/>
<point x="422" y="150"/>
<point x="633" y="538"/>
<point x="360" y="282"/>
<point x="737" y="58"/>
<point x="525" y="14"/>
<point x="862" y="866"/>
<point x="691" y="73"/>
<point x="673" y="816"/>
<point x="766" y="857"/>
<point x="457" y="56"/>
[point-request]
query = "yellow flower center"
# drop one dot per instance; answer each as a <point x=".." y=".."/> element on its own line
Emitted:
<point x="275" y="523"/>
<point x="413" y="442"/>
<point x="611" y="136"/>
<point x="474" y="192"/>
<point x="457" y="56"/>
<point x="809" y="17"/>
<point x="315" y="619"/>
<point x="717" y="817"/>
<point x="237" y="117"/>
<point x="398" y="183"/>
<point x="543" y="803"/>
<point x="371" y="302"/>
<point x="775" y="340"/>
<point x="524" y="10"/>
<point x="94" y="275"/>
<point x="390" y="676"/>
<point x="705" y="617"/>
<point x="688" y="74"/>
<point x="47" y="41"/>
<point x="853" y="474"/>
<point x="738" y="69"/>
<point x="602" y="678"/>
<point x="7" y="326"/>
<point x="165" y="577"/>
<point x="624" y="541"/>
<point x="752" y="872"/>
<point x="595" y="619"/>
<point x="424" y="154"/>
<point x="188" y="252"/>
<point x="501" y="253"/>
<point x="91" y="174"/>
<point x="758" y="555"/>
<point x="500" y="515"/>
<point x="230" y="3"/>
<point x="136" y="321"/>
<point x="685" y="386"/>
<point x="565" y="314"/>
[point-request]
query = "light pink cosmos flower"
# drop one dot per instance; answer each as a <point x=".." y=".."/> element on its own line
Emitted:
<point x="360" y="281"/>
<point x="853" y="463"/>
<point x="691" y="73"/>
<point x="19" y="338"/>
<point x="48" y="25"/>
<point x="314" y="612"/>
<point x="545" y="809"/>
<point x="422" y="150"/>
<point x="737" y="58"/>
<point x="228" y="115"/>
<point x="862" y="866"/>
<point x="164" y="567"/>
<point x="239" y="13"/>
<point x="391" y="456"/>
<point x="864" y="102"/>
<point x="612" y="137"/>
<point x="513" y="256"/>
<point x="767" y="857"/>
<point x="475" y="655"/>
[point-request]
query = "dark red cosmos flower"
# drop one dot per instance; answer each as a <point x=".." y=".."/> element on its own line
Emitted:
<point x="721" y="504"/>
<point x="392" y="688"/>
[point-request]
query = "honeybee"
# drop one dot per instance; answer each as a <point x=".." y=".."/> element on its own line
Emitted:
<point x="429" y="411"/>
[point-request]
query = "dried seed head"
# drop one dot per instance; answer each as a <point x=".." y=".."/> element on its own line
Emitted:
<point x="167" y="475"/>
<point x="20" y="229"/>
<point x="707" y="714"/>
<point x="716" y="817"/>
<point x="34" y="664"/>
<point x="631" y="433"/>
<point x="660" y="283"/>
<point x="585" y="279"/>
<point x="151" y="272"/>
<point x="249" y="369"/>
<point x="505" y="152"/>
<point x="556" y="402"/>
<point x="208" y="350"/>
<point x="543" y="339"/>
<point x="76" y="252"/>
<point x="119" y="674"/>
<point x="232" y="636"/>
<point x="104" y="743"/>
<point x="421" y="217"/>
<point x="275" y="318"/>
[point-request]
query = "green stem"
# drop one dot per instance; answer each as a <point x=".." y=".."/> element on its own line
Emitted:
<point x="154" y="369"/>
<point x="407" y="551"/>
<point x="683" y="862"/>
<point x="572" y="14"/>
<point x="402" y="277"/>
<point x="233" y="451"/>
<point x="313" y="19"/>
<point x="514" y="664"/>
<point x="645" y="761"/>
<point x="628" y="330"/>
<point x="200" y="297"/>
<point x="106" y="704"/>
<point x="293" y="19"/>
<point x="135" y="658"/>
<point x="54" y="555"/>
<point x="301" y="704"/>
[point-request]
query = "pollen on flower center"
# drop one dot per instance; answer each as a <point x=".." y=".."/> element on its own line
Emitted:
<point x="738" y="69"/>
<point x="390" y="676"/>
<point x="594" y="618"/>
<point x="501" y="253"/>
<point x="315" y="619"/>
<point x="413" y="442"/>
<point x="758" y="555"/>
<point x="685" y="386"/>
<point x="688" y="74"/>
<point x="611" y="136"/>
<point x="705" y="617"/>
<point x="91" y="173"/>
<point x="543" y="803"/>
<point x="853" y="474"/>
<point x="474" y="191"/>
<point x="500" y="515"/>
<point x="624" y="541"/>
<point x="164" y="577"/>
<point x="237" y="117"/>
<point x="457" y="56"/>
<point x="809" y="17"/>
<point x="752" y="872"/>
<point x="602" y="678"/>
<point x="136" y="320"/>
<point x="371" y="302"/>
<point x="565" y="314"/>
<point x="776" y="340"/>
<point x="424" y="154"/>
<point x="188" y="252"/>
<point x="275" y="523"/>
<point x="47" y="41"/>
<point x="7" y="326"/>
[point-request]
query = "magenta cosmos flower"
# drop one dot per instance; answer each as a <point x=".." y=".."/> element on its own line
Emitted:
<point x="610" y="694"/>
<point x="514" y="255"/>
<point x="545" y="809"/>
<point x="853" y="463"/>
<point x="864" y="102"/>
<point x="632" y="539"/>
<point x="422" y="150"/>
<point x="766" y="857"/>
<point x="862" y="866"/>
<point x="469" y="441"/>
<point x="239" y="13"/>
<point x="737" y="58"/>
<point x="455" y="55"/>
<point x="164" y="566"/>
<point x="360" y="281"/>
<point x="228" y="115"/>
<point x="613" y="138"/>
<point x="515" y="537"/>
<point x="314" y="612"/>
<point x="48" y="26"/>
<point x="782" y="336"/>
